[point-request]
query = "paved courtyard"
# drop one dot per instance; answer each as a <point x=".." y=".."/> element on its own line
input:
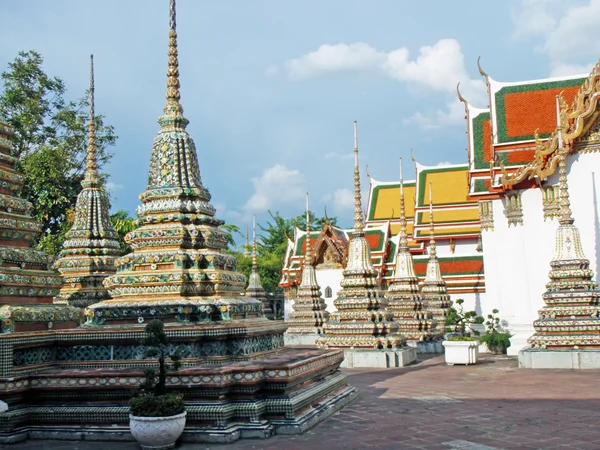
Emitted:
<point x="492" y="405"/>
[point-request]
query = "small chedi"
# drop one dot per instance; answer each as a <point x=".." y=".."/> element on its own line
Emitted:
<point x="404" y="299"/>
<point x="255" y="289"/>
<point x="568" y="329"/>
<point x="28" y="283"/>
<point x="362" y="325"/>
<point x="434" y="290"/>
<point x="91" y="245"/>
<point x="309" y="314"/>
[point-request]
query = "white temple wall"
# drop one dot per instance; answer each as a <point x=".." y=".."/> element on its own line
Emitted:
<point x="331" y="277"/>
<point x="462" y="247"/>
<point x="517" y="259"/>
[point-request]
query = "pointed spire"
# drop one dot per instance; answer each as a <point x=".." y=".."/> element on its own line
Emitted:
<point x="91" y="176"/>
<point x="358" y="214"/>
<point x="173" y="108"/>
<point x="254" y="262"/>
<point x="308" y="253"/>
<point x="403" y="243"/>
<point x="565" y="217"/>
<point x="432" y="249"/>
<point x="247" y="246"/>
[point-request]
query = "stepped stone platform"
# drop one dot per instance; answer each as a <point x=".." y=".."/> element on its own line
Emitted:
<point x="75" y="383"/>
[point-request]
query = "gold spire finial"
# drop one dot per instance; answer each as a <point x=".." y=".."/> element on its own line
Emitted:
<point x="173" y="107"/>
<point x="432" y="249"/>
<point x="358" y="214"/>
<point x="91" y="177"/>
<point x="403" y="243"/>
<point x="460" y="97"/>
<point x="481" y="71"/>
<point x="565" y="205"/>
<point x="308" y="253"/>
<point x="91" y="156"/>
<point x="254" y="262"/>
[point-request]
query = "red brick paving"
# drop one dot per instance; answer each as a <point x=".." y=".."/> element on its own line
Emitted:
<point x="493" y="404"/>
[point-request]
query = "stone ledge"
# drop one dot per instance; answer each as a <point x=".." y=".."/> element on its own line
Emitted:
<point x="379" y="358"/>
<point x="300" y="339"/>
<point x="559" y="359"/>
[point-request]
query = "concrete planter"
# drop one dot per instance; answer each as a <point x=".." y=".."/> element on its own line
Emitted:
<point x="461" y="352"/>
<point x="157" y="433"/>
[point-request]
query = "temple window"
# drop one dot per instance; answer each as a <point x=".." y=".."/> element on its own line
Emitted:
<point x="328" y="292"/>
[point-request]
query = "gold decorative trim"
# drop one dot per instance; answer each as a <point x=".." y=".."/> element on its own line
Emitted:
<point x="574" y="122"/>
<point x="514" y="209"/>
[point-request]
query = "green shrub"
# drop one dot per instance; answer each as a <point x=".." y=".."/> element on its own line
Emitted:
<point x="494" y="336"/>
<point x="149" y="405"/>
<point x="460" y="321"/>
<point x="461" y="338"/>
<point x="151" y="399"/>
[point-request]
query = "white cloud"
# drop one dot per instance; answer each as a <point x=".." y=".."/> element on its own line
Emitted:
<point x="277" y="186"/>
<point x="576" y="34"/>
<point x="444" y="163"/>
<point x="535" y="17"/>
<point x="272" y="70"/>
<point x="334" y="58"/>
<point x="341" y="201"/>
<point x="569" y="33"/>
<point x="438" y="67"/>
<point x="112" y="187"/>
<point x="561" y="70"/>
<point x="334" y="155"/>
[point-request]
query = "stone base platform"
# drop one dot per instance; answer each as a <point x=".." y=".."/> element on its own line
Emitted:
<point x="300" y="339"/>
<point x="283" y="391"/>
<point x="559" y="359"/>
<point x="380" y="358"/>
<point x="427" y="346"/>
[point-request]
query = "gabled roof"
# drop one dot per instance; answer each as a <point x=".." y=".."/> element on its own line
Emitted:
<point x="454" y="214"/>
<point x="578" y="120"/>
<point x="520" y="108"/>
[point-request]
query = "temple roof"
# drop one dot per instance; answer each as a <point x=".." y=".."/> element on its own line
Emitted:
<point x="503" y="136"/>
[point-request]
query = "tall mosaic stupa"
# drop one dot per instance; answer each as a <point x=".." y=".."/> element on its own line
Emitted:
<point x="91" y="245"/>
<point x="362" y="325"/>
<point x="415" y="322"/>
<point x="178" y="270"/>
<point x="309" y="314"/>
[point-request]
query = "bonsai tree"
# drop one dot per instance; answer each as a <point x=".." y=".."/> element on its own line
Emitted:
<point x="496" y="340"/>
<point x="151" y="399"/>
<point x="460" y="322"/>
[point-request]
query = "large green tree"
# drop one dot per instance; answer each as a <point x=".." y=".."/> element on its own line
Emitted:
<point x="49" y="140"/>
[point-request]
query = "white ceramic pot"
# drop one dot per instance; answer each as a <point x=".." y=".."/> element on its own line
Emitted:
<point x="156" y="433"/>
<point x="461" y="352"/>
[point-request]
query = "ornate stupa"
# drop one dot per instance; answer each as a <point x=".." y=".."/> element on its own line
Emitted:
<point x="434" y="291"/>
<point x="404" y="300"/>
<point x="567" y="333"/>
<point x="362" y="324"/>
<point x="91" y="246"/>
<point x="255" y="288"/>
<point x="178" y="270"/>
<point x="28" y="283"/>
<point x="309" y="314"/>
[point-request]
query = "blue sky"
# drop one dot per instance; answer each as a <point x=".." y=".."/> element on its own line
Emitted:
<point x="271" y="87"/>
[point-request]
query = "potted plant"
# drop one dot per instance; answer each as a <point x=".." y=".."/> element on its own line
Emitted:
<point x="496" y="340"/>
<point x="157" y="418"/>
<point x="461" y="345"/>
